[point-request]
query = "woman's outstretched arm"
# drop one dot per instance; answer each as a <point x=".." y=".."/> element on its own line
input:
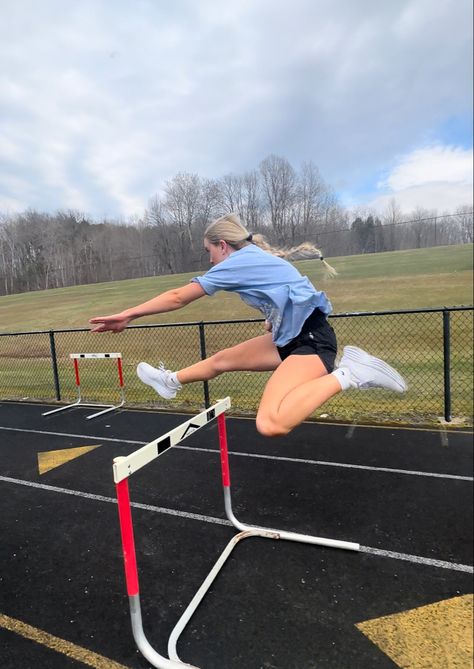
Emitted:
<point x="171" y="300"/>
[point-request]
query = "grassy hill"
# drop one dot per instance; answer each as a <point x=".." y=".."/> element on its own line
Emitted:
<point x="417" y="278"/>
<point x="413" y="343"/>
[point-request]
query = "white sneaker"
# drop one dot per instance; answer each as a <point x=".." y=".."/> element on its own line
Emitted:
<point x="368" y="371"/>
<point x="159" y="379"/>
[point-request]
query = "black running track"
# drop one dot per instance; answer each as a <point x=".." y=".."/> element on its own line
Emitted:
<point x="404" y="494"/>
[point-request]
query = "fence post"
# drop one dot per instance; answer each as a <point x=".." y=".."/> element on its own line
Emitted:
<point x="447" y="364"/>
<point x="54" y="361"/>
<point x="202" y="343"/>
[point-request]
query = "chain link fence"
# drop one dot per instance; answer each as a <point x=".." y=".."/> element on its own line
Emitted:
<point x="432" y="349"/>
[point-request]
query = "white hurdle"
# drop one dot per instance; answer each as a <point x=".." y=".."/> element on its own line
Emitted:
<point x="108" y="407"/>
<point x="123" y="468"/>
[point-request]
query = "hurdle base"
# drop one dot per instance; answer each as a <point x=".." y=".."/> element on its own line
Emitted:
<point x="246" y="531"/>
<point x="79" y="403"/>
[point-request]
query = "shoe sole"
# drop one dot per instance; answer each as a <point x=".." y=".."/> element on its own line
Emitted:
<point x="363" y="358"/>
<point x="158" y="388"/>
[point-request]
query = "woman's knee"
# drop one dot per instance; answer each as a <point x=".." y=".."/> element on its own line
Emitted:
<point x="270" y="427"/>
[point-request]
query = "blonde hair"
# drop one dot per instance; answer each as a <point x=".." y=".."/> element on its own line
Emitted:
<point x="230" y="229"/>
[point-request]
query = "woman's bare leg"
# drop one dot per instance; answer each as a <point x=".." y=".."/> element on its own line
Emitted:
<point x="298" y="387"/>
<point x="254" y="355"/>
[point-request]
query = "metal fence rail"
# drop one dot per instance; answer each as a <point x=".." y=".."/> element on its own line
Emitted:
<point x="432" y="348"/>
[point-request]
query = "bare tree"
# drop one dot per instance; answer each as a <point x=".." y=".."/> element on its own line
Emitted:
<point x="230" y="193"/>
<point x="279" y="187"/>
<point x="182" y="202"/>
<point x="39" y="250"/>
<point x="209" y="205"/>
<point x="464" y="218"/>
<point x="241" y="194"/>
<point x="252" y="205"/>
<point x="158" y="239"/>
<point x="7" y="254"/>
<point x="391" y="217"/>
<point x="312" y="196"/>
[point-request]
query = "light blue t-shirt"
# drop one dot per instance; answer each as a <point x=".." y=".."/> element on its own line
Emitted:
<point x="271" y="285"/>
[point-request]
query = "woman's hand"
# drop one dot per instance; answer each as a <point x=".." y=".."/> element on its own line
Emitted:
<point x="113" y="323"/>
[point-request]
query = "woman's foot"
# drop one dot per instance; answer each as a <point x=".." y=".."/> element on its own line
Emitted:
<point x="162" y="380"/>
<point x="367" y="371"/>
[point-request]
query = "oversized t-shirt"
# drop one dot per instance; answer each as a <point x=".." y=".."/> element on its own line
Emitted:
<point x="271" y="285"/>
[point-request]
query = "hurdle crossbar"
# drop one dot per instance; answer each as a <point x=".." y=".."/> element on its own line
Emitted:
<point x="79" y="402"/>
<point x="123" y="467"/>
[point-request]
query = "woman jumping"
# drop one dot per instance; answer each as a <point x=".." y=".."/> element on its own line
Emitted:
<point x="299" y="346"/>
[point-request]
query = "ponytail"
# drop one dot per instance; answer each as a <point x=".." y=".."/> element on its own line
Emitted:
<point x="304" y="251"/>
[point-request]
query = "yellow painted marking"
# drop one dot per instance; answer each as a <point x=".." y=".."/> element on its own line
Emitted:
<point x="59" y="645"/>
<point x="436" y="636"/>
<point x="51" y="459"/>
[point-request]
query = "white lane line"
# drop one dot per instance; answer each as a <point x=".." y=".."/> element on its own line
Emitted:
<point x="321" y="463"/>
<point x="443" y="564"/>
<point x="177" y="412"/>
<point x="72" y="436"/>
<point x="112" y="500"/>
<point x="325" y="463"/>
<point x="417" y="559"/>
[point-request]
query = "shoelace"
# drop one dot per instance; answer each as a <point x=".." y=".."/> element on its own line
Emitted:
<point x="161" y="367"/>
<point x="172" y="385"/>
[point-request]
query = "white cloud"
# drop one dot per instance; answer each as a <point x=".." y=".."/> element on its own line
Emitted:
<point x="431" y="164"/>
<point x="102" y="102"/>
<point x="434" y="177"/>
<point x="442" y="197"/>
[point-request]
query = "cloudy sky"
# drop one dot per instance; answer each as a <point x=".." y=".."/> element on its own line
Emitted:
<point x="103" y="101"/>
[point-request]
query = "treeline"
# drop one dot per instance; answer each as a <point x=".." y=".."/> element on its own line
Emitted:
<point x="40" y="251"/>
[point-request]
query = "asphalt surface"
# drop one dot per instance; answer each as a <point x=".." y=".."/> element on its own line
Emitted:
<point x="404" y="494"/>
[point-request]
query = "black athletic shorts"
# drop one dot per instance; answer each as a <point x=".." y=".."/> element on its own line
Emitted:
<point x="316" y="337"/>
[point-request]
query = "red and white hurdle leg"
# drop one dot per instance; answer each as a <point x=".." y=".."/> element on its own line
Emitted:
<point x="131" y="578"/>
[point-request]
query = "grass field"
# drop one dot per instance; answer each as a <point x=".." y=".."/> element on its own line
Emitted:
<point x="412" y="279"/>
